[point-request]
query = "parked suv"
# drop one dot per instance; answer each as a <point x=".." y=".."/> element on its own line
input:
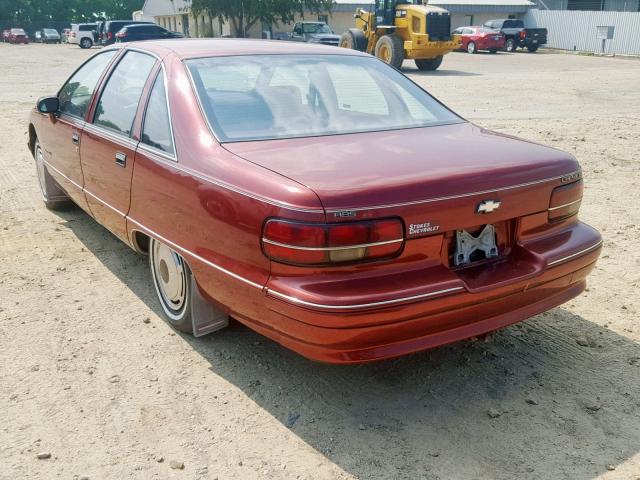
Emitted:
<point x="111" y="27"/>
<point x="516" y="35"/>
<point x="83" y="34"/>
<point x="136" y="32"/>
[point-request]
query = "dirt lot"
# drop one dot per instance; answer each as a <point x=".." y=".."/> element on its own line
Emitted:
<point x="91" y="374"/>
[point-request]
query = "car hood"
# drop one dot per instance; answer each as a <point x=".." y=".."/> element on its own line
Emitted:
<point x="389" y="167"/>
<point x="324" y="36"/>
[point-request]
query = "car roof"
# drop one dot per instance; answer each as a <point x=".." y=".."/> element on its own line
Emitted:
<point x="222" y="47"/>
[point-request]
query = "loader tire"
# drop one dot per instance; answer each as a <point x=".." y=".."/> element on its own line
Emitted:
<point x="354" y="39"/>
<point x="390" y="50"/>
<point x="428" y="64"/>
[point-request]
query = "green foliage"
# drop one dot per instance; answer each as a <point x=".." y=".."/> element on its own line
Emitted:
<point x="24" y="13"/>
<point x="243" y="14"/>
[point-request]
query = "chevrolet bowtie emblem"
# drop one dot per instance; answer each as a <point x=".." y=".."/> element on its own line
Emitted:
<point x="488" y="206"/>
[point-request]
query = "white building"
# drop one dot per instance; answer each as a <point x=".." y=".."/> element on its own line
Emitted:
<point x="176" y="15"/>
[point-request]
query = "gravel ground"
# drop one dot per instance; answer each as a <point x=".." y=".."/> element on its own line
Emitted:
<point x="93" y="383"/>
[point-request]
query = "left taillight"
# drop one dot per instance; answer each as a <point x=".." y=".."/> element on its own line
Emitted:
<point x="565" y="201"/>
<point x="298" y="243"/>
<point x="523" y="34"/>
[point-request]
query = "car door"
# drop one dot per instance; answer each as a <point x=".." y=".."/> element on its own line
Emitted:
<point x="107" y="151"/>
<point x="60" y="134"/>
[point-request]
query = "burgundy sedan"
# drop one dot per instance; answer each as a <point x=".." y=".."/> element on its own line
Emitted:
<point x="480" y="38"/>
<point x="314" y="194"/>
<point x="17" y="35"/>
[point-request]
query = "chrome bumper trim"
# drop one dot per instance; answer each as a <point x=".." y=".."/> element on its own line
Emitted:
<point x="576" y="254"/>
<point x="297" y="301"/>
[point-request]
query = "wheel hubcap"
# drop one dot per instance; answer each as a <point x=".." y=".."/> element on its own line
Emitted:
<point x="169" y="272"/>
<point x="41" y="172"/>
<point x="385" y="55"/>
<point x="471" y="47"/>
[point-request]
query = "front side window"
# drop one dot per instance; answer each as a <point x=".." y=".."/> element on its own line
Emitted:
<point x="75" y="95"/>
<point x="120" y="97"/>
<point x="266" y="97"/>
<point x="156" y="131"/>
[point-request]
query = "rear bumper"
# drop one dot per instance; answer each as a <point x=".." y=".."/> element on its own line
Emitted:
<point x="375" y="331"/>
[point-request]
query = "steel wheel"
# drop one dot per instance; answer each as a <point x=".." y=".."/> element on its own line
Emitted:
<point x="53" y="196"/>
<point x="40" y="168"/>
<point x="172" y="280"/>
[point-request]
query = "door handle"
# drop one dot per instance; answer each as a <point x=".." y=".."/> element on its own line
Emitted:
<point x="121" y="159"/>
<point x="75" y="138"/>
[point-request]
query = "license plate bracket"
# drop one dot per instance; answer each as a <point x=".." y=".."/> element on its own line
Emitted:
<point x="467" y="246"/>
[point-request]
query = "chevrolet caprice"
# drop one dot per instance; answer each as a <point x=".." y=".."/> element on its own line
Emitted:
<point x="314" y="194"/>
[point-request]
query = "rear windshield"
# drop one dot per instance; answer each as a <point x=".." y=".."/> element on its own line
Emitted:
<point x="87" y="28"/>
<point x="266" y="97"/>
<point x="513" y="24"/>
<point x="17" y="31"/>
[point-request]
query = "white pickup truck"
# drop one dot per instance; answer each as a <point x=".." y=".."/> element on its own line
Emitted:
<point x="83" y="34"/>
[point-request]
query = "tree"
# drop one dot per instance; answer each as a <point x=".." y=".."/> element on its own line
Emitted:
<point x="243" y="14"/>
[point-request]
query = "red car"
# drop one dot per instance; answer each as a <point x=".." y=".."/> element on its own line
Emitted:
<point x="314" y="194"/>
<point x="480" y="38"/>
<point x="17" y="35"/>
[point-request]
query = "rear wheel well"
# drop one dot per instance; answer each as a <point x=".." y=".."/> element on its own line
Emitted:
<point x="141" y="242"/>
<point x="32" y="138"/>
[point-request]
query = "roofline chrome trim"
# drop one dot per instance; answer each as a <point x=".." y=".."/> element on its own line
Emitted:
<point x="450" y="197"/>
<point x="362" y="305"/>
<point x="194" y="255"/>
<point x="328" y="249"/>
<point x="551" y="209"/>
<point x="576" y="254"/>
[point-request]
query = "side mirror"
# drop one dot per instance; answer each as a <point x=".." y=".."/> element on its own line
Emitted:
<point x="48" y="105"/>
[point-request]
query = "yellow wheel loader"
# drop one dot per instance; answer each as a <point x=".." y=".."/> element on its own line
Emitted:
<point x="396" y="30"/>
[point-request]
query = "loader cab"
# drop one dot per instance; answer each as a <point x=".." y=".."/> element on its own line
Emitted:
<point x="385" y="14"/>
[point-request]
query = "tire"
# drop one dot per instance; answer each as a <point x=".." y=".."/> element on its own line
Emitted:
<point x="53" y="196"/>
<point x="86" y="43"/>
<point x="428" y="64"/>
<point x="354" y="39"/>
<point x="390" y="49"/>
<point x="172" y="280"/>
<point x="510" y="45"/>
<point x="493" y="50"/>
<point x="471" y="47"/>
<point x="532" y="48"/>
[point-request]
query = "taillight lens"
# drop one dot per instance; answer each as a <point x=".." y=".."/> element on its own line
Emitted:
<point x="324" y="244"/>
<point x="523" y="33"/>
<point x="565" y="201"/>
<point x="109" y="35"/>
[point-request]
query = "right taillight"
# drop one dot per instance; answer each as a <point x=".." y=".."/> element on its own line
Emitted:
<point x="297" y="243"/>
<point x="565" y="201"/>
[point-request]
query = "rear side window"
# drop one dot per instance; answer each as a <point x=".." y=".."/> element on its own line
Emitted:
<point x="156" y="131"/>
<point x="119" y="100"/>
<point x="75" y="94"/>
<point x="86" y="28"/>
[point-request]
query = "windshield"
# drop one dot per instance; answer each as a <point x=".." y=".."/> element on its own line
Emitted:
<point x="17" y="31"/>
<point x="316" y="28"/>
<point x="282" y="96"/>
<point x="50" y="31"/>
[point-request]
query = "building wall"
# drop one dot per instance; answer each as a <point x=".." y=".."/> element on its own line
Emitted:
<point x="578" y="30"/>
<point x="607" y="5"/>
<point x="464" y="20"/>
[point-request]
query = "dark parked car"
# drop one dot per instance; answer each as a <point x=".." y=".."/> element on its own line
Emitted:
<point x="312" y="32"/>
<point x="111" y="27"/>
<point x="145" y="31"/>
<point x="48" y="35"/>
<point x="516" y="35"/>
<point x="313" y="193"/>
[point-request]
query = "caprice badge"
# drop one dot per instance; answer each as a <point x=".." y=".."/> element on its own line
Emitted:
<point x="488" y="206"/>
